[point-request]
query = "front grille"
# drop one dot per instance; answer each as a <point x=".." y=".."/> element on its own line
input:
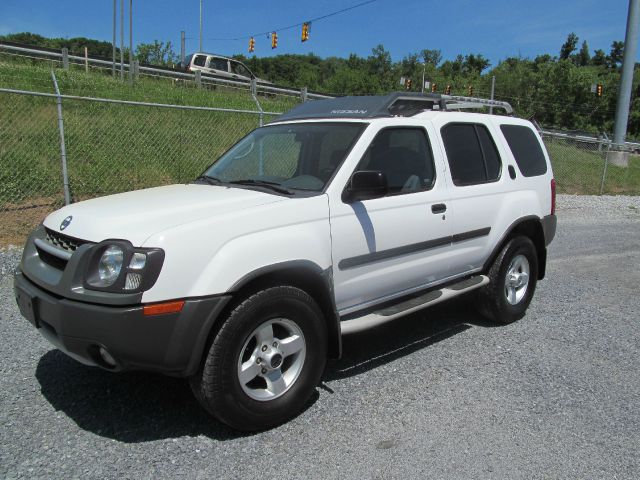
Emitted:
<point x="62" y="241"/>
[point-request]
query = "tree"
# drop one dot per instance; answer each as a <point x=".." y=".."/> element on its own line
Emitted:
<point x="475" y="63"/>
<point x="583" y="56"/>
<point x="433" y="57"/>
<point x="156" y="53"/>
<point x="599" y="58"/>
<point x="569" y="46"/>
<point x="616" y="54"/>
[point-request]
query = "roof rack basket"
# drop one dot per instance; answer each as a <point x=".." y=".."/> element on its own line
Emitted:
<point x="397" y="104"/>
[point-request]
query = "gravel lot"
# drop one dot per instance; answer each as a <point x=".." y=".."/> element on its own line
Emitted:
<point x="440" y="394"/>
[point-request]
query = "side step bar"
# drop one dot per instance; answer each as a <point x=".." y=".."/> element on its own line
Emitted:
<point x="405" y="307"/>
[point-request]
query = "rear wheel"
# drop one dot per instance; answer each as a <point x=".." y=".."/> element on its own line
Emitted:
<point x="265" y="361"/>
<point x="512" y="282"/>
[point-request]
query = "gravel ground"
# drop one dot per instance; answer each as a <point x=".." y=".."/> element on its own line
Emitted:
<point x="440" y="394"/>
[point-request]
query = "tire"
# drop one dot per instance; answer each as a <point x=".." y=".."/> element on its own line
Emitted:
<point x="265" y="361"/>
<point x="507" y="296"/>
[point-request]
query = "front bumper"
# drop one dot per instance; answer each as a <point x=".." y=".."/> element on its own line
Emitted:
<point x="170" y="343"/>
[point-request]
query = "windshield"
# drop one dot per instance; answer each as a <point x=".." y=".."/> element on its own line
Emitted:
<point x="300" y="156"/>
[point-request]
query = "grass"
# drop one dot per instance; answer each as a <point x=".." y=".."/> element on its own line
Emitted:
<point x="113" y="148"/>
<point x="579" y="171"/>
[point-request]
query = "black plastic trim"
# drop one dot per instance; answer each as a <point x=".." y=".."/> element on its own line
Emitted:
<point x="169" y="343"/>
<point x="359" y="260"/>
<point x="549" y="226"/>
<point x="307" y="269"/>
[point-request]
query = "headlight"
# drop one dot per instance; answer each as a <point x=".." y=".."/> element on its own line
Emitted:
<point x="110" y="265"/>
<point x="117" y="266"/>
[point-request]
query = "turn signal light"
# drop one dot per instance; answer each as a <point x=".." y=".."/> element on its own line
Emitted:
<point x="160" y="308"/>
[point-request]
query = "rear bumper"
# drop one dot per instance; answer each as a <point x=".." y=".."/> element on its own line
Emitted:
<point x="170" y="343"/>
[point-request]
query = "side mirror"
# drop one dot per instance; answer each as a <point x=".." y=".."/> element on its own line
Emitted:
<point x="365" y="185"/>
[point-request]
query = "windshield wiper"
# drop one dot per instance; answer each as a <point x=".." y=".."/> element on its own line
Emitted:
<point x="208" y="179"/>
<point x="276" y="187"/>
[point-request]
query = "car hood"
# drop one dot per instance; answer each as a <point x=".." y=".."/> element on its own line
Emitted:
<point x="135" y="216"/>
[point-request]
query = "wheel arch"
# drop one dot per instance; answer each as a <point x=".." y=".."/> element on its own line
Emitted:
<point x="531" y="227"/>
<point x="307" y="276"/>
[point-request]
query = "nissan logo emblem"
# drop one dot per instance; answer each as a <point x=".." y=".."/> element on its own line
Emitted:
<point x="65" y="223"/>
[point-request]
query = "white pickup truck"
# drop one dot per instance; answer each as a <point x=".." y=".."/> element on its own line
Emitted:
<point x="341" y="215"/>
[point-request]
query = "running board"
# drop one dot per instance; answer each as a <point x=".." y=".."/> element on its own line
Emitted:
<point x="405" y="307"/>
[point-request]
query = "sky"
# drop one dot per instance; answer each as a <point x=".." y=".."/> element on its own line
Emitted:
<point x="496" y="29"/>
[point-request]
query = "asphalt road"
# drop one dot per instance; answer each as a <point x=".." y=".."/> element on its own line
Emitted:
<point x="440" y="394"/>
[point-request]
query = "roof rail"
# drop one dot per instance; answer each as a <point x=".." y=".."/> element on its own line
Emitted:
<point x="457" y="102"/>
<point x="397" y="104"/>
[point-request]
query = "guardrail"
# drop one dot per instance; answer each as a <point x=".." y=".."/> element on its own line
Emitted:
<point x="30" y="51"/>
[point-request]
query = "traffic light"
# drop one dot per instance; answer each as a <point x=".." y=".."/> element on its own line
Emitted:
<point x="252" y="44"/>
<point x="447" y="90"/>
<point x="274" y="40"/>
<point x="470" y="90"/>
<point x="599" y="90"/>
<point x="434" y="88"/>
<point x="305" y="31"/>
<point x="407" y="84"/>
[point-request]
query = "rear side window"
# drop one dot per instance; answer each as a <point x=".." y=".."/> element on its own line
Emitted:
<point x="472" y="154"/>
<point x="218" y="63"/>
<point x="526" y="149"/>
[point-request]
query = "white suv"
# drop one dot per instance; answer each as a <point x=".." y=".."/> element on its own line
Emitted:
<point x="339" y="216"/>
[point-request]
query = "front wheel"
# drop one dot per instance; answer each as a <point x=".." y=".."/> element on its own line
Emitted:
<point x="265" y="361"/>
<point x="512" y="282"/>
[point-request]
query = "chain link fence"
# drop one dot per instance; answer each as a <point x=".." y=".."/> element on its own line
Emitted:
<point x="111" y="146"/>
<point x="592" y="166"/>
<point x="116" y="145"/>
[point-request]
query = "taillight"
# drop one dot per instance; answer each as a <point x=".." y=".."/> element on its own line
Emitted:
<point x="553" y="196"/>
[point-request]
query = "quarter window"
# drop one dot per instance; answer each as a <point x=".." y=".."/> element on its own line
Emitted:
<point x="472" y="154"/>
<point x="526" y="149"/>
<point x="404" y="156"/>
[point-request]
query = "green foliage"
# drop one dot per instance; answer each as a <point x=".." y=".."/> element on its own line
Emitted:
<point x="569" y="46"/>
<point x="75" y="45"/>
<point x="555" y="91"/>
<point x="156" y="53"/>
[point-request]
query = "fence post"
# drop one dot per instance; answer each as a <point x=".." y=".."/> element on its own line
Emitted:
<point x="303" y="94"/>
<point x="198" y="78"/>
<point x="65" y="58"/>
<point x="604" y="168"/>
<point x="136" y="70"/>
<point x="254" y="91"/>
<point x="63" y="149"/>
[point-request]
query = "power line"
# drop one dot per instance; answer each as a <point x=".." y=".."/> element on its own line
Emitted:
<point x="289" y="27"/>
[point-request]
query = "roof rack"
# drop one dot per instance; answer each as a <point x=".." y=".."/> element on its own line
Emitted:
<point x="457" y="102"/>
<point x="397" y="104"/>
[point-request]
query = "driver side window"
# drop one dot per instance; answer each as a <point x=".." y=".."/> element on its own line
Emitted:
<point x="404" y="156"/>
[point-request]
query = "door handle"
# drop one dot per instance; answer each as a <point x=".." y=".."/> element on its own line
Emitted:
<point x="438" y="208"/>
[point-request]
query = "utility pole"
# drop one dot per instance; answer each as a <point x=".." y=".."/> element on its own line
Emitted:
<point x="122" y="40"/>
<point x="626" y="77"/>
<point x="130" y="42"/>
<point x="113" y="43"/>
<point x="200" y="49"/>
<point x="182" y="49"/>
<point x="424" y="68"/>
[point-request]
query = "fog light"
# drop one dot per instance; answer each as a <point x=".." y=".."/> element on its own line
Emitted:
<point x="106" y="357"/>
<point x="133" y="281"/>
